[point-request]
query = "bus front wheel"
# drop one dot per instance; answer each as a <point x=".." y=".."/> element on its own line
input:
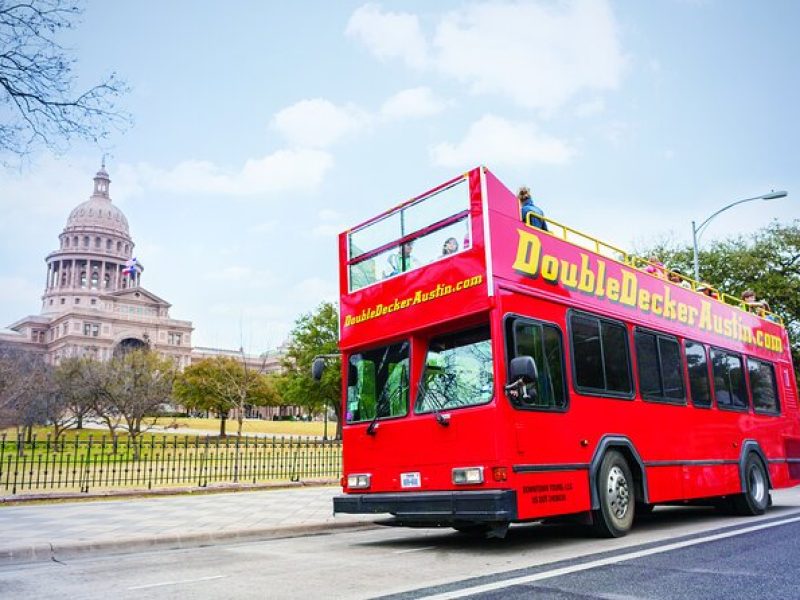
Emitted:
<point x="755" y="499"/>
<point x="615" y="492"/>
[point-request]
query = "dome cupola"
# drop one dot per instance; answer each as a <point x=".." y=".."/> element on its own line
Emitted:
<point x="98" y="213"/>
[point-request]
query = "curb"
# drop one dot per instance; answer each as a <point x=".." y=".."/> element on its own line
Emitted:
<point x="145" y="493"/>
<point x="42" y="552"/>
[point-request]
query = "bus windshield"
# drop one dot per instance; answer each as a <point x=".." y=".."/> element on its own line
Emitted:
<point x="378" y="383"/>
<point x="458" y="371"/>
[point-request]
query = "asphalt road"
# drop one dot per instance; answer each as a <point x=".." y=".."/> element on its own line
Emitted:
<point x="674" y="553"/>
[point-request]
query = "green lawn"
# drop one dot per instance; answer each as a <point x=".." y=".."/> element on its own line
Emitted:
<point x="179" y="425"/>
<point x="251" y="426"/>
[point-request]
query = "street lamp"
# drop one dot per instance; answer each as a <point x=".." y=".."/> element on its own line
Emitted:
<point x="698" y="231"/>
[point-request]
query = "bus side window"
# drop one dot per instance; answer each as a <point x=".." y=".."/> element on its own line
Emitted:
<point x="763" y="386"/>
<point x="660" y="368"/>
<point x="729" y="385"/>
<point x="600" y="356"/>
<point x="699" y="385"/>
<point x="543" y="343"/>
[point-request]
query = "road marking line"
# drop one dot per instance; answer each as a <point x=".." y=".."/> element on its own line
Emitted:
<point x="414" y="550"/>
<point x="163" y="583"/>
<point x="497" y="585"/>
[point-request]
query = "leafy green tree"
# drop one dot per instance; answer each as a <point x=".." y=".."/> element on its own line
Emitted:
<point x="767" y="261"/>
<point x="313" y="334"/>
<point x="221" y="384"/>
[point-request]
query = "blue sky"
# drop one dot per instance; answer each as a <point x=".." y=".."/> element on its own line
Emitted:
<point x="264" y="129"/>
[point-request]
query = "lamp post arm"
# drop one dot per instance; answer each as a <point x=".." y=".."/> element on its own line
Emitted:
<point x="722" y="210"/>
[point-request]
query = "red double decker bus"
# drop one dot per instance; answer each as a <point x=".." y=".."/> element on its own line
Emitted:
<point x="494" y="372"/>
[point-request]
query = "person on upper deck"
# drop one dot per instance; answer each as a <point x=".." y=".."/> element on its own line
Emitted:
<point x="676" y="276"/>
<point x="402" y="260"/>
<point x="760" y="307"/>
<point x="707" y="290"/>
<point x="655" y="267"/>
<point x="450" y="246"/>
<point x="527" y="207"/>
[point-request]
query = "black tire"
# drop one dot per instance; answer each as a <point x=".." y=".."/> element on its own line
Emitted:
<point x="755" y="499"/>
<point x="615" y="492"/>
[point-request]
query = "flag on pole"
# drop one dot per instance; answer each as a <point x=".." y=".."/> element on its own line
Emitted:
<point x="130" y="267"/>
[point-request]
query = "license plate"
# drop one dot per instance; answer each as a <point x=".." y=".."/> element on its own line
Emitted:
<point x="409" y="480"/>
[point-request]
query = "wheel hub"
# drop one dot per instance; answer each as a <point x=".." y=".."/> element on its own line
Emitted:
<point x="757" y="485"/>
<point x="618" y="493"/>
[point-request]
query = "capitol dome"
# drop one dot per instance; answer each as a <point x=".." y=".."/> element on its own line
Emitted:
<point x="98" y="212"/>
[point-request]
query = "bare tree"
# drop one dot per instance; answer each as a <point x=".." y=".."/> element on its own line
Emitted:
<point x="134" y="387"/>
<point x="11" y="387"/>
<point x="37" y="100"/>
<point x="94" y="377"/>
<point x="23" y="377"/>
<point x="73" y="391"/>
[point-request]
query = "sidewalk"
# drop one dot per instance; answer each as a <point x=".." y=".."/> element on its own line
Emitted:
<point x="35" y="532"/>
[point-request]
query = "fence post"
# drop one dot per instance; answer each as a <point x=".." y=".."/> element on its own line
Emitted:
<point x="293" y="452"/>
<point x="88" y="463"/>
<point x="2" y="458"/>
<point x="236" y="461"/>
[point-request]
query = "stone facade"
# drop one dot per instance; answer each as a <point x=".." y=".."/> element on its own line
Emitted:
<point x="93" y="302"/>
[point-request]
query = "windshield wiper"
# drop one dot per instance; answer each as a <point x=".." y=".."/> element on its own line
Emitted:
<point x="373" y="425"/>
<point x="443" y="420"/>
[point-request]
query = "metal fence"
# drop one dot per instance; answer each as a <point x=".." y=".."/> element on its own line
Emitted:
<point x="84" y="463"/>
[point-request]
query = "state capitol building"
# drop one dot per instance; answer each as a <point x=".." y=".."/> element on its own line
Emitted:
<point x="94" y="303"/>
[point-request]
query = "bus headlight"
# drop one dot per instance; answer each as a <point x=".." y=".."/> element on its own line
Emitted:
<point x="359" y="481"/>
<point x="467" y="475"/>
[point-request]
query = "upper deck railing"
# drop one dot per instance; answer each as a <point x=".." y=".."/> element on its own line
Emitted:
<point x="602" y="248"/>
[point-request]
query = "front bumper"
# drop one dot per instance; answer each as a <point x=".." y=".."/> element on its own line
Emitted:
<point x="483" y="506"/>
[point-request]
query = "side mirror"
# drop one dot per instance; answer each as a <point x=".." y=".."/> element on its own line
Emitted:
<point x="317" y="367"/>
<point x="523" y="367"/>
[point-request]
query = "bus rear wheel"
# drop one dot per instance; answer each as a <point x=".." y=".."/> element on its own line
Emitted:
<point x="755" y="499"/>
<point x="615" y="492"/>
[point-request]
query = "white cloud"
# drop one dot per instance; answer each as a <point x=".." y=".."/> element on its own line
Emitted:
<point x="317" y="288"/>
<point x="281" y="171"/>
<point x="590" y="108"/>
<point x="496" y="141"/>
<point x="243" y="276"/>
<point x="539" y="54"/>
<point x="264" y="227"/>
<point x="413" y="103"/>
<point x="249" y="311"/>
<point x="617" y="132"/>
<point x="389" y="34"/>
<point x="50" y="187"/>
<point x="318" y="123"/>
